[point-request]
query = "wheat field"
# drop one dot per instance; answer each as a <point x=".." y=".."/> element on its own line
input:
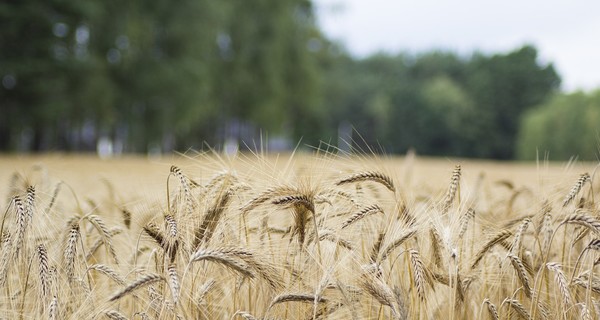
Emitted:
<point x="304" y="236"/>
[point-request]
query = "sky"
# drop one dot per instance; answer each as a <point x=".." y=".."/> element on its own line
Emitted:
<point x="566" y="33"/>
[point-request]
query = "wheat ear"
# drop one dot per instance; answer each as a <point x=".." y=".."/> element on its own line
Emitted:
<point x="497" y="238"/>
<point x="174" y="282"/>
<point x="245" y="315"/>
<point x="464" y="221"/>
<point x="115" y="315"/>
<point x="372" y="209"/>
<point x="109" y="272"/>
<point x="521" y="311"/>
<point x="491" y="309"/>
<point x="369" y="176"/>
<point x="297" y="297"/>
<point x="580" y="217"/>
<point x="521" y="273"/>
<point x="396" y="243"/>
<point x="516" y="244"/>
<point x="42" y="255"/>
<point x="452" y="188"/>
<point x="141" y="282"/>
<point x="420" y="275"/>
<point x="381" y="292"/>
<point x="583" y="178"/>
<point x="224" y="258"/>
<point x="561" y="281"/>
<point x="71" y="249"/>
<point x="189" y="199"/>
<point x="53" y="309"/>
<point x="210" y="221"/>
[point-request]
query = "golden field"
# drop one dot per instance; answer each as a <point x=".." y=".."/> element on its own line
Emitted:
<point x="299" y="236"/>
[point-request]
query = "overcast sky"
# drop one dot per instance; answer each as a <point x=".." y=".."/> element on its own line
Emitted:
<point x="566" y="33"/>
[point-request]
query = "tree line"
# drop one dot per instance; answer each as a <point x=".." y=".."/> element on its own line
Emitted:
<point x="164" y="76"/>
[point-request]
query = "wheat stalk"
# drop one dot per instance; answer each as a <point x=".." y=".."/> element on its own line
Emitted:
<point x="54" y="197"/>
<point x="224" y="258"/>
<point x="381" y="292"/>
<point x="105" y="234"/>
<point x="369" y="176"/>
<point x="372" y="209"/>
<point x="245" y="315"/>
<point x="583" y="178"/>
<point x="115" y="315"/>
<point x="395" y="244"/>
<point x="44" y="274"/>
<point x="580" y="217"/>
<point x="521" y="273"/>
<point x="452" y="188"/>
<point x="174" y="282"/>
<point x="464" y="222"/>
<point x="491" y="309"/>
<point x="584" y="311"/>
<point x="171" y="240"/>
<point x="265" y="196"/>
<point x="189" y="199"/>
<point x="420" y="275"/>
<point x="296" y="297"/>
<point x="141" y="282"/>
<point x="30" y="203"/>
<point x="561" y="281"/>
<point x="22" y="222"/>
<point x="436" y="247"/>
<point x="211" y="219"/>
<point x="108" y="271"/>
<point x="516" y="244"/>
<point x="71" y="249"/>
<point x="497" y="238"/>
<point x="53" y="309"/>
<point x="515" y="304"/>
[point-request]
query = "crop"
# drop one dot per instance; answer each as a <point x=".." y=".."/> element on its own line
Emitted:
<point x="318" y="238"/>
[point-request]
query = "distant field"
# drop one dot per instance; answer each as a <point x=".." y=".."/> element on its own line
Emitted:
<point x="149" y="174"/>
<point x="296" y="237"/>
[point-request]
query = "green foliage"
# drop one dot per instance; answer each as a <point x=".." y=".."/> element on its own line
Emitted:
<point x="439" y="103"/>
<point x="154" y="73"/>
<point x="171" y="76"/>
<point x="564" y="127"/>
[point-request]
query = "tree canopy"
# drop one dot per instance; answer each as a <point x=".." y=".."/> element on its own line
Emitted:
<point x="158" y="76"/>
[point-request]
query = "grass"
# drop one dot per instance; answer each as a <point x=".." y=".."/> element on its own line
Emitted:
<point x="297" y="237"/>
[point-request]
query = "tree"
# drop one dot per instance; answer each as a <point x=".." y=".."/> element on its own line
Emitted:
<point x="564" y="127"/>
<point x="503" y="87"/>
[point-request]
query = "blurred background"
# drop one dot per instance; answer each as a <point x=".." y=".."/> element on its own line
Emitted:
<point x="498" y="81"/>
